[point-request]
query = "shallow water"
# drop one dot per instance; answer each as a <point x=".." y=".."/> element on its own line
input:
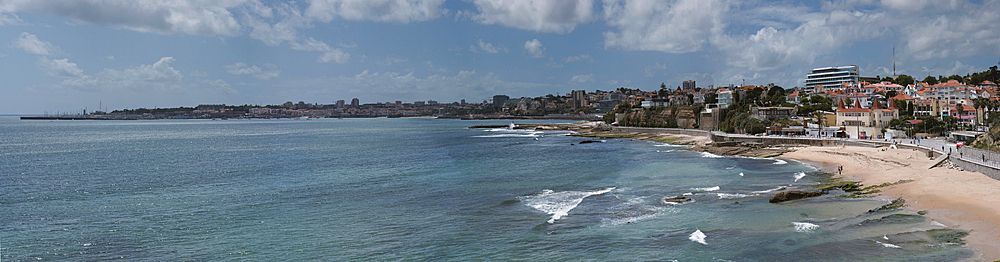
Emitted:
<point x="413" y="189"/>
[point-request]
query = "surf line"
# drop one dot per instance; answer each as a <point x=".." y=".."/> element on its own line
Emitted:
<point x="558" y="204"/>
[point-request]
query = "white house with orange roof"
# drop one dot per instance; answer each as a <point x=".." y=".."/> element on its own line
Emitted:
<point x="863" y="122"/>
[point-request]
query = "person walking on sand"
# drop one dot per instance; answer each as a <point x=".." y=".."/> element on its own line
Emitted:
<point x="840" y="170"/>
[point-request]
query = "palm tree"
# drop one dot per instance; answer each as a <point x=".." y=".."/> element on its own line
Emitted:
<point x="819" y="115"/>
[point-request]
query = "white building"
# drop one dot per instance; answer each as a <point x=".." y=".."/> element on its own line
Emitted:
<point x="725" y="97"/>
<point x="833" y="76"/>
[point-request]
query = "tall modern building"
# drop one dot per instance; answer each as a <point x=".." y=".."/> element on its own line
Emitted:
<point x="688" y="84"/>
<point x="833" y="76"/>
<point x="579" y="98"/>
<point x="500" y="100"/>
<point x="355" y="102"/>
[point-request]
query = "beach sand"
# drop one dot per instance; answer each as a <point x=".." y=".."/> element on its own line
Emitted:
<point x="959" y="199"/>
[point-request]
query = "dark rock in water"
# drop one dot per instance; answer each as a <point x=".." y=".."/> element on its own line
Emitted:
<point x="895" y="219"/>
<point x="677" y="200"/>
<point x="590" y="141"/>
<point x="793" y="195"/>
<point x="898" y="203"/>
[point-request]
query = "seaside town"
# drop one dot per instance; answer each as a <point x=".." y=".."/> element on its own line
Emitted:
<point x="832" y="102"/>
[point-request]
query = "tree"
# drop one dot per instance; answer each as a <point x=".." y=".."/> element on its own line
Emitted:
<point x="711" y="98"/>
<point x="891" y="94"/>
<point x="904" y="80"/>
<point x="930" y="80"/>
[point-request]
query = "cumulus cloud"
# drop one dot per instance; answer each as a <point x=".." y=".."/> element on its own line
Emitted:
<point x="674" y="26"/>
<point x="578" y="58"/>
<point x="288" y="20"/>
<point x="534" y="48"/>
<point x="541" y="16"/>
<point x="968" y="31"/>
<point x="398" y="11"/>
<point x="241" y="68"/>
<point x="330" y="54"/>
<point x="61" y="68"/>
<point x="222" y="86"/>
<point x="485" y="47"/>
<point x="32" y="45"/>
<point x="388" y="61"/>
<point x="9" y="19"/>
<point x="582" y="78"/>
<point x="159" y="76"/>
<point x="164" y="17"/>
<point x="110" y="58"/>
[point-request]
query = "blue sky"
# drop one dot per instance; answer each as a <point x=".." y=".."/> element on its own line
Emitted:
<point x="66" y="55"/>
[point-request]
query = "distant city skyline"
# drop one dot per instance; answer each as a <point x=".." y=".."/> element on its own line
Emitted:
<point x="71" y="55"/>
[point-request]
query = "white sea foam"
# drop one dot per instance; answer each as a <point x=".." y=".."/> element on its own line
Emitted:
<point x="780" y="162"/>
<point x="687" y="194"/>
<point x="937" y="224"/>
<point x="799" y="175"/>
<point x="698" y="236"/>
<point x="706" y="188"/>
<point x="558" y="204"/>
<point x="731" y="196"/>
<point x="887" y="244"/>
<point x="728" y="168"/>
<point x="804" y="227"/>
<point x="710" y="155"/>
<point x="741" y="173"/>
<point x="769" y="190"/>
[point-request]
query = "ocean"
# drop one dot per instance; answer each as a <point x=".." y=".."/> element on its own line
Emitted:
<point x="417" y="190"/>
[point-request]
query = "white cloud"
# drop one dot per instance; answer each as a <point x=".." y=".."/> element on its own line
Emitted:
<point x="675" y="26"/>
<point x="653" y="69"/>
<point x="198" y="74"/>
<point x="61" y="68"/>
<point x="329" y="54"/>
<point x="222" y="86"/>
<point x="159" y="76"/>
<point x="772" y="49"/>
<point x="541" y="16"/>
<point x="388" y="61"/>
<point x="582" y="78"/>
<point x="398" y="11"/>
<point x="110" y="58"/>
<point x="485" y="47"/>
<point x="32" y="45"/>
<point x="241" y="68"/>
<point x="9" y="19"/>
<point x="285" y="29"/>
<point x="578" y="58"/>
<point x="194" y="17"/>
<point x="969" y="31"/>
<point x="534" y="48"/>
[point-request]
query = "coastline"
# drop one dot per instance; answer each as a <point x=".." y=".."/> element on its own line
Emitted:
<point x="958" y="199"/>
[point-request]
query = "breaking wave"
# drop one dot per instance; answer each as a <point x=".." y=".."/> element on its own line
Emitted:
<point x="558" y="204"/>
<point x="804" y="227"/>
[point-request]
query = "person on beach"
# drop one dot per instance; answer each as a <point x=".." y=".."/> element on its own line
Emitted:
<point x="840" y="170"/>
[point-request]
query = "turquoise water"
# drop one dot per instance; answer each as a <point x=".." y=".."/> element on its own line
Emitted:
<point x="413" y="189"/>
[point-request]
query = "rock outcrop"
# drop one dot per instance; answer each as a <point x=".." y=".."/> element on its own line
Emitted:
<point x="675" y="200"/>
<point x="793" y="195"/>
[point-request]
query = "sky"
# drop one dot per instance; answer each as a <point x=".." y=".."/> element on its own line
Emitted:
<point x="70" y="55"/>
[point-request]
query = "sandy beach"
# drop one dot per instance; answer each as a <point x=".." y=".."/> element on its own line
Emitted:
<point x="959" y="199"/>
